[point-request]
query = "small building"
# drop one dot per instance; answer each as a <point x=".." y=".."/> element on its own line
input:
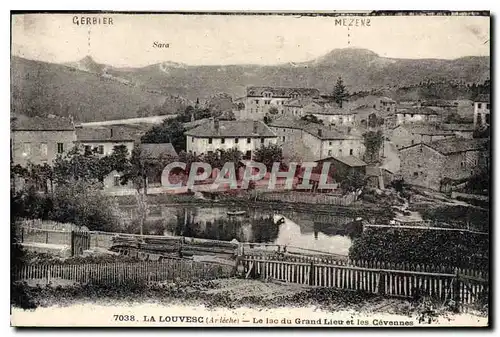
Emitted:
<point x="377" y="102"/>
<point x="482" y="111"/>
<point x="102" y="140"/>
<point x="341" y="167"/>
<point x="244" y="135"/>
<point x="260" y="99"/>
<point x="417" y="115"/>
<point x="429" y="164"/>
<point x="39" y="140"/>
<point x="405" y="135"/>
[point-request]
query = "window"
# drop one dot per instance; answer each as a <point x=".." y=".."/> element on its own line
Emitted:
<point x="487" y="117"/>
<point x="351" y="151"/>
<point x="248" y="140"/>
<point x="374" y="106"/>
<point x="388" y="109"/>
<point x="43" y="149"/>
<point x="488" y="106"/>
<point x="248" y="154"/>
<point x="262" y="140"/>
<point x="340" y="152"/>
<point x="222" y="140"/>
<point x="479" y="105"/>
<point x="283" y="138"/>
<point x="60" y="147"/>
<point x="192" y="139"/>
<point x="412" y="141"/>
<point x="100" y="149"/>
<point x="257" y="101"/>
<point x="87" y="149"/>
<point x="415" y="174"/>
<point x="27" y="149"/>
<point x="267" y="102"/>
<point x="236" y="140"/>
<point x="329" y="152"/>
<point x="411" y="115"/>
<point x="209" y="140"/>
<point x="330" y="143"/>
<point x="116" y="181"/>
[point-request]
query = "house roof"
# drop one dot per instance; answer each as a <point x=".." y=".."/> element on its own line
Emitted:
<point x="318" y="130"/>
<point x="454" y="145"/>
<point x="426" y="130"/>
<point x="24" y="123"/>
<point x="281" y="91"/>
<point x="158" y="150"/>
<point x="387" y="99"/>
<point x="107" y="134"/>
<point x="440" y="103"/>
<point x="299" y="102"/>
<point x="332" y="110"/>
<point x="418" y="111"/>
<point x="483" y="98"/>
<point x="458" y="127"/>
<point x="242" y="128"/>
<point x="348" y="160"/>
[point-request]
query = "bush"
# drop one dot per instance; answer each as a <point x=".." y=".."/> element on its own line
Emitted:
<point x="80" y="203"/>
<point x="415" y="246"/>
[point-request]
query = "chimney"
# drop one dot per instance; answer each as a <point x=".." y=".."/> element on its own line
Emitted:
<point x="320" y="132"/>
<point x="255" y="126"/>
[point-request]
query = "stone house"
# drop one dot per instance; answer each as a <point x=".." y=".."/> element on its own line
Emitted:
<point x="260" y="99"/>
<point x="417" y="115"/>
<point x="40" y="140"/>
<point x="482" y="111"/>
<point x="102" y="140"/>
<point x="244" y="135"/>
<point x="322" y="141"/>
<point x="429" y="164"/>
<point x="405" y="135"/>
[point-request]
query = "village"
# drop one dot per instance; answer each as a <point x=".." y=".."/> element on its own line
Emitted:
<point x="437" y="145"/>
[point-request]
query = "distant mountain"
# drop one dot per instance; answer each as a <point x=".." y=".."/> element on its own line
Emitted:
<point x="94" y="91"/>
<point x="361" y="69"/>
<point x="40" y="89"/>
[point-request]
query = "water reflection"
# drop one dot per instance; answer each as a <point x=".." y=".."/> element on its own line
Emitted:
<point x="304" y="230"/>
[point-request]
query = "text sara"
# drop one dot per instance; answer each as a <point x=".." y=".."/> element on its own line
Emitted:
<point x="157" y="44"/>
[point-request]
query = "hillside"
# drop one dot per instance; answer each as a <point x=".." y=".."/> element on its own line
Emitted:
<point x="40" y="88"/>
<point x="361" y="70"/>
<point x="91" y="91"/>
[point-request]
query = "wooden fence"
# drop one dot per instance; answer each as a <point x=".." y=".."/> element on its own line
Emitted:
<point x="124" y="272"/>
<point x="400" y="283"/>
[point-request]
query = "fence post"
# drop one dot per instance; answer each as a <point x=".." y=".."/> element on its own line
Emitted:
<point x="311" y="274"/>
<point x="456" y="287"/>
<point x="381" y="283"/>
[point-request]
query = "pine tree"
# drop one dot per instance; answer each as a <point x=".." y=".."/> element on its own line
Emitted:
<point x="340" y="93"/>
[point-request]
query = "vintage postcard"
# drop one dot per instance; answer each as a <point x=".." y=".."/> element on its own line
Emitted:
<point x="246" y="169"/>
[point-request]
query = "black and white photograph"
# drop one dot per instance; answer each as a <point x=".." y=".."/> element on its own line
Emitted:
<point x="250" y="169"/>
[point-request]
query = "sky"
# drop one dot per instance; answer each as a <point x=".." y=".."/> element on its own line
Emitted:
<point x="241" y="39"/>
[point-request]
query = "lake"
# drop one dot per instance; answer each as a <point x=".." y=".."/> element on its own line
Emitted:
<point x="325" y="232"/>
